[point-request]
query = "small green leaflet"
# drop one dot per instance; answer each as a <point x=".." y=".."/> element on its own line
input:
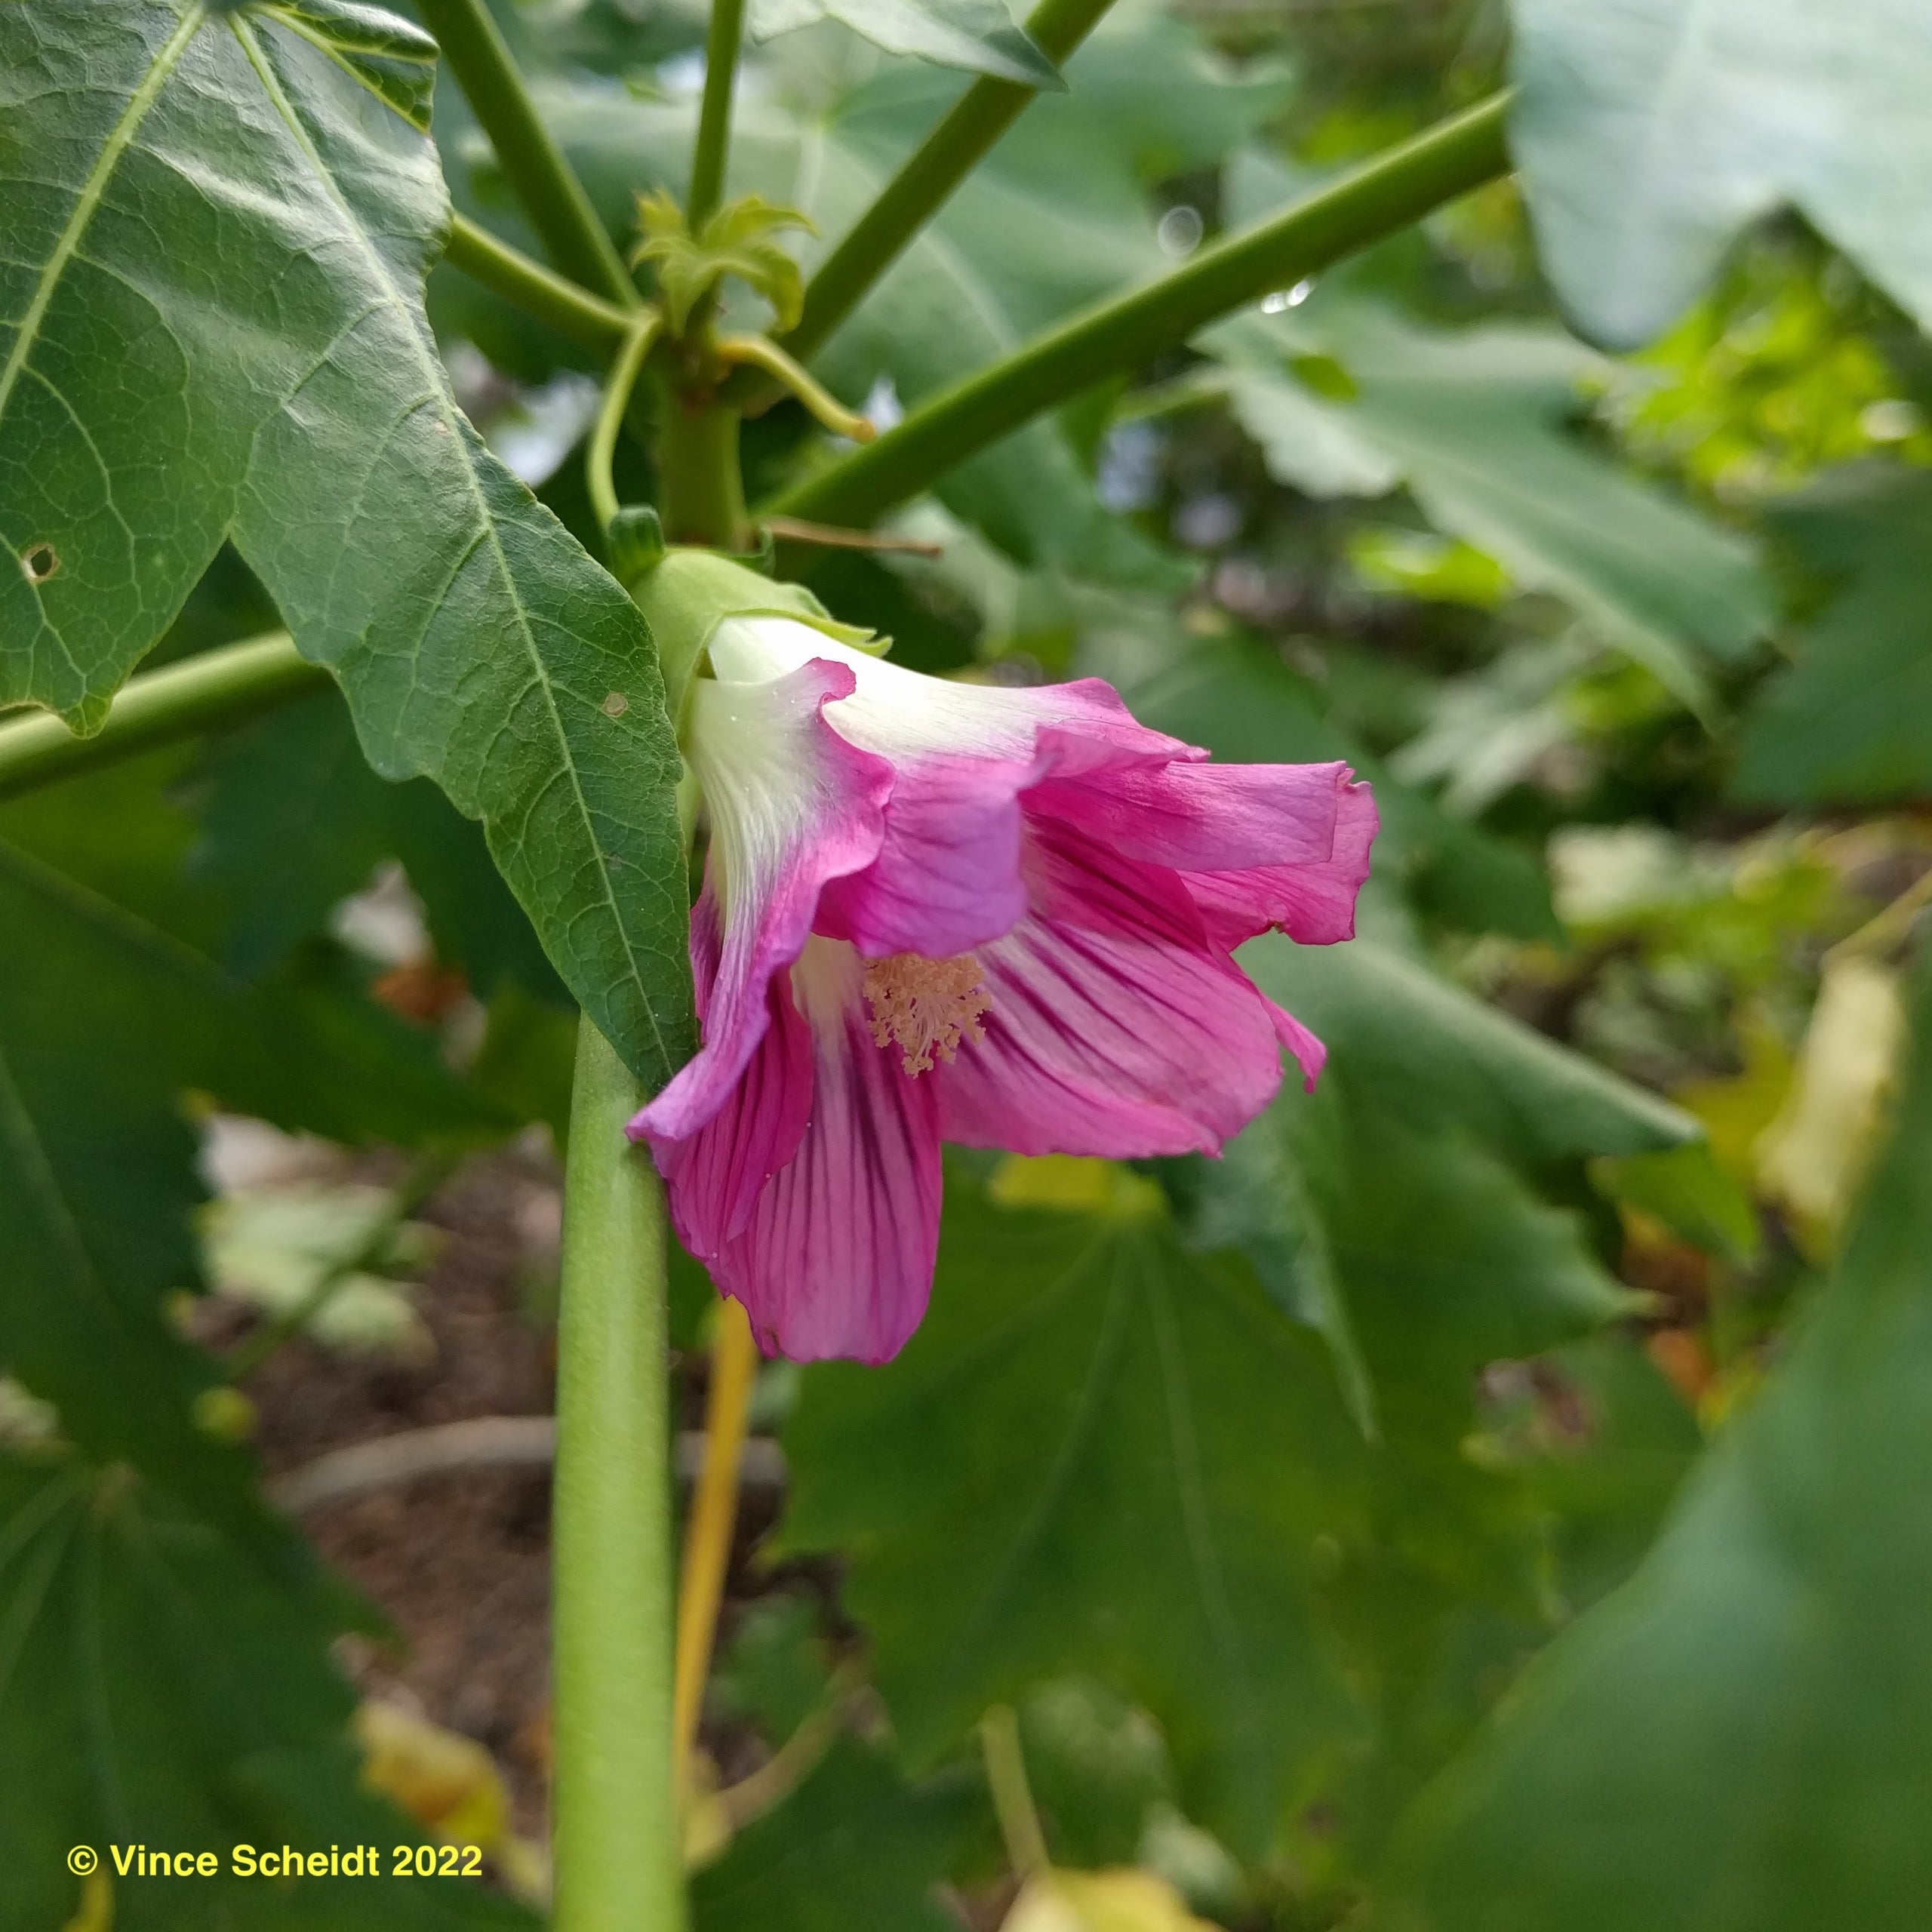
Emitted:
<point x="1649" y="134"/>
<point x="211" y="324"/>
<point x="1056" y="216"/>
<point x="1749" y="1708"/>
<point x="978" y="34"/>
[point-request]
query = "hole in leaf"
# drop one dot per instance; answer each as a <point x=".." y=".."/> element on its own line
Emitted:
<point x="40" y="562"/>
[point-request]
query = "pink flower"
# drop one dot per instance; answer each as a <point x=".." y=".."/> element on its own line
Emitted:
<point x="948" y="911"/>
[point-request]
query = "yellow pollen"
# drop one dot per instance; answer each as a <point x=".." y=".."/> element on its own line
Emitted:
<point x="925" y="1007"/>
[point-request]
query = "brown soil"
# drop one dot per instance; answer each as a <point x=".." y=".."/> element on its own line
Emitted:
<point x="458" y="1564"/>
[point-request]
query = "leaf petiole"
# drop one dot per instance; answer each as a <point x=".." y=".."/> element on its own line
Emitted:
<point x="532" y="162"/>
<point x="760" y="353"/>
<point x="1384" y="195"/>
<point x="714" y="126"/>
<point x="566" y="306"/>
<point x="617" y="388"/>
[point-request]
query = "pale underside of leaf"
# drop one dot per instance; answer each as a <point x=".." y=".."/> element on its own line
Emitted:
<point x="978" y="35"/>
<point x="1649" y="135"/>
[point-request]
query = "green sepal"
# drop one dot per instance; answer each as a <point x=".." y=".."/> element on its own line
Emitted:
<point x="692" y="591"/>
<point x="635" y="539"/>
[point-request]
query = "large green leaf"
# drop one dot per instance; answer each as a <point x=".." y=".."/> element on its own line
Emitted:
<point x="1393" y="1209"/>
<point x="1742" y="1736"/>
<point x="1097" y="1452"/>
<point x="1649" y="133"/>
<point x="108" y="1018"/>
<point x="211" y="320"/>
<point x="1853" y="719"/>
<point x="294" y="819"/>
<point x="1477" y="425"/>
<point x="978" y="34"/>
<point x="162" y="1686"/>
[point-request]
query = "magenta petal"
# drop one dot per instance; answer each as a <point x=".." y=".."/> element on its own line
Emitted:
<point x="792" y="805"/>
<point x="715" y="1178"/>
<point x="966" y="759"/>
<point x="1114" y="1025"/>
<point x="947" y="876"/>
<point x="837" y="1259"/>
<point x="1204" y="817"/>
<point x="1310" y="1054"/>
<point x="1313" y="903"/>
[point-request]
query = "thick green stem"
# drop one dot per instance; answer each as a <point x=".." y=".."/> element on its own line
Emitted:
<point x="618" y="1862"/>
<point x="538" y="291"/>
<point x="926" y="181"/>
<point x="200" y="694"/>
<point x="701" y="494"/>
<point x="714" y="123"/>
<point x="1371" y="201"/>
<point x="532" y="162"/>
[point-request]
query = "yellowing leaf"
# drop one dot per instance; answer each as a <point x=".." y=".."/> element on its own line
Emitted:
<point x="96" y="1913"/>
<point x="444" y="1780"/>
<point x="1124" y="1900"/>
<point x="1074" y="1183"/>
<point x="1814" y="1154"/>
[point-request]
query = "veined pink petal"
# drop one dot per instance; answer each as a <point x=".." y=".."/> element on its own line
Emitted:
<point x="1313" y="903"/>
<point x="714" y="1178"/>
<point x="1113" y="1025"/>
<point x="837" y="1257"/>
<point x="792" y="805"/>
<point x="946" y="878"/>
<point x="1204" y="817"/>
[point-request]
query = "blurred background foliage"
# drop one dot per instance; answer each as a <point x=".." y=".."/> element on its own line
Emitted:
<point x="1489" y="1497"/>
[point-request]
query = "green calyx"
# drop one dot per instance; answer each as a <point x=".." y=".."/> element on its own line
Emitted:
<point x="691" y="591"/>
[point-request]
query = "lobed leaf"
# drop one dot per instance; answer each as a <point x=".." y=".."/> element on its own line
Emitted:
<point x="1097" y="1452"/>
<point x="1749" y="1708"/>
<point x="211" y="324"/>
<point x="1851" y="720"/>
<point x="1648" y="135"/>
<point x="1477" y="424"/>
<point x="978" y="35"/>
<point x="163" y="1686"/>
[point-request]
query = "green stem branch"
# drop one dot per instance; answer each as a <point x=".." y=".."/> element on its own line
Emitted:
<point x="532" y="162"/>
<point x="926" y="180"/>
<point x="714" y="123"/>
<point x="1388" y="193"/>
<point x="567" y="308"/>
<point x="617" y="388"/>
<point x="619" y="1866"/>
<point x="200" y="694"/>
